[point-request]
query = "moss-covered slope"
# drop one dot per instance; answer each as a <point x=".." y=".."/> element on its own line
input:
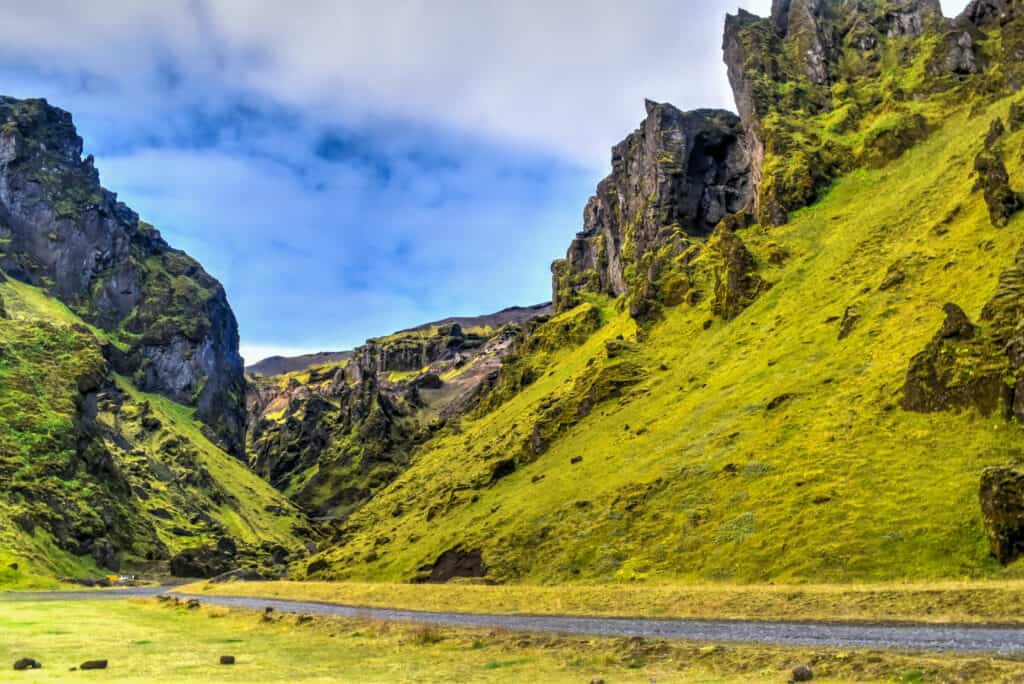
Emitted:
<point x="99" y="476"/>
<point x="772" y="443"/>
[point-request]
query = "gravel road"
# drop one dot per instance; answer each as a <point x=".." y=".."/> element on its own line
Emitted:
<point x="927" y="637"/>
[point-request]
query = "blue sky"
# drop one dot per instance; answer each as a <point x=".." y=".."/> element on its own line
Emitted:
<point x="348" y="169"/>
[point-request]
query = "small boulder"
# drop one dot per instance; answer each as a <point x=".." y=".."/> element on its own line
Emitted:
<point x="13" y="566"/>
<point x="227" y="660"/>
<point x="93" y="665"/>
<point x="27" y="664"/>
<point x="802" y="673"/>
<point x="227" y="546"/>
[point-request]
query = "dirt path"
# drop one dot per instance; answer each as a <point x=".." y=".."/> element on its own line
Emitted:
<point x="974" y="638"/>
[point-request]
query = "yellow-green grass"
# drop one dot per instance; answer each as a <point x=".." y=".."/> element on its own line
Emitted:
<point x="153" y="642"/>
<point x="691" y="476"/>
<point x="247" y="519"/>
<point x="928" y="602"/>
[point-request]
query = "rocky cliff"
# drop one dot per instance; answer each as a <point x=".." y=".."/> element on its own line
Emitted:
<point x="334" y="434"/>
<point x="816" y="70"/>
<point x="655" y="234"/>
<point x="172" y="330"/>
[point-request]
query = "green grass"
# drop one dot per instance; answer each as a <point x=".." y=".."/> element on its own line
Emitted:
<point x="246" y="518"/>
<point x="147" y="641"/>
<point x="689" y="476"/>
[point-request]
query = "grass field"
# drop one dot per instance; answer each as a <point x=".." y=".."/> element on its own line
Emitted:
<point x="935" y="602"/>
<point x="146" y="641"/>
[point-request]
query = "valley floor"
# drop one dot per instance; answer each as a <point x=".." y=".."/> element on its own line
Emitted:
<point x="150" y="641"/>
<point x="967" y="602"/>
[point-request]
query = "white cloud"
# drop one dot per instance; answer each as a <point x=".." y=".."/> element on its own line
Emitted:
<point x="563" y="77"/>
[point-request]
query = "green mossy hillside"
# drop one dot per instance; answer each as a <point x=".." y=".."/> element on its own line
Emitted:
<point x="769" y="447"/>
<point x="98" y="476"/>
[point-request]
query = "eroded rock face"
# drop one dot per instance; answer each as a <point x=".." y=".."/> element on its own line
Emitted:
<point x="994" y="180"/>
<point x="1002" y="509"/>
<point x="71" y="236"/>
<point x="1003" y="316"/>
<point x="678" y="175"/>
<point x="348" y="429"/>
<point x="455" y="563"/>
<point x="960" y="368"/>
<point x="786" y="64"/>
<point x="201" y="562"/>
<point x="991" y="12"/>
<point x="737" y="283"/>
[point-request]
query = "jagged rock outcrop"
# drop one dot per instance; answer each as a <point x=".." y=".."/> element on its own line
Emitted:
<point x="677" y="176"/>
<point x="960" y="368"/>
<point x="994" y="180"/>
<point x="1002" y="511"/>
<point x="171" y="327"/>
<point x="1003" y="316"/>
<point x="786" y="67"/>
<point x="979" y="366"/>
<point x="737" y="283"/>
<point x="991" y="12"/>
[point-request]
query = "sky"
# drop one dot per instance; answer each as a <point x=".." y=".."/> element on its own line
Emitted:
<point x="348" y="169"/>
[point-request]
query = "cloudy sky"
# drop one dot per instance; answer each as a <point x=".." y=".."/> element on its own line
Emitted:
<point x="352" y="168"/>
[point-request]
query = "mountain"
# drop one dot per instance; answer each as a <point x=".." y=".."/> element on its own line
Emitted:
<point x="120" y="383"/>
<point x="785" y="344"/>
<point x="170" y="325"/>
<point x="281" y="365"/>
<point x="332" y="435"/>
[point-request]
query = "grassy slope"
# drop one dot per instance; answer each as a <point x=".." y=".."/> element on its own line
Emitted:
<point x="45" y="348"/>
<point x="691" y="477"/>
<point x="145" y="642"/>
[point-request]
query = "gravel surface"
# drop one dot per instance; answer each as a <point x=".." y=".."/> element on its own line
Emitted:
<point x="928" y="637"/>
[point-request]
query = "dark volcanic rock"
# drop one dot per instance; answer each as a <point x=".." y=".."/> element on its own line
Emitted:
<point x="1004" y="315"/>
<point x="202" y="562"/>
<point x="686" y="170"/>
<point x="456" y="563"/>
<point x="27" y="664"/>
<point x="1002" y="508"/>
<point x="954" y="370"/>
<point x="994" y="180"/>
<point x="802" y="673"/>
<point x="93" y="665"/>
<point x="786" y="64"/>
<point x="71" y="236"/>
<point x="991" y="12"/>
